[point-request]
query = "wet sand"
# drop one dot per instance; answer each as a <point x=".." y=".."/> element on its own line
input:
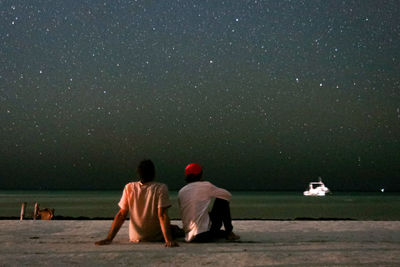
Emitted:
<point x="263" y="243"/>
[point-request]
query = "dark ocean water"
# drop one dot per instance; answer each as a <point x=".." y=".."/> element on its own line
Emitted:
<point x="245" y="205"/>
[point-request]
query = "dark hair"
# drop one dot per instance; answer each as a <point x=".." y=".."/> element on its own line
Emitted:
<point x="190" y="178"/>
<point x="146" y="171"/>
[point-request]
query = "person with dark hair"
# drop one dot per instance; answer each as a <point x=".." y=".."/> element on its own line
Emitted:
<point x="147" y="203"/>
<point x="194" y="198"/>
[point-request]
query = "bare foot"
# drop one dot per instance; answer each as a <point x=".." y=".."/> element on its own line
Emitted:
<point x="232" y="237"/>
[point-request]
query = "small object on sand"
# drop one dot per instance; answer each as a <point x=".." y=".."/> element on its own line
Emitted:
<point x="36" y="211"/>
<point x="22" y="211"/>
<point x="46" y="214"/>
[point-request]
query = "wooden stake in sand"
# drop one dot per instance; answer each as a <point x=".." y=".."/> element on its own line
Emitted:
<point x="36" y="210"/>
<point x="22" y="211"/>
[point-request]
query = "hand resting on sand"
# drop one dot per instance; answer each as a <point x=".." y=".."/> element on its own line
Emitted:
<point x="168" y="244"/>
<point x="171" y="244"/>
<point x="103" y="242"/>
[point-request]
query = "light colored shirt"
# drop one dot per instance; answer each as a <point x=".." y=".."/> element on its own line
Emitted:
<point x="143" y="201"/>
<point x="194" y="199"/>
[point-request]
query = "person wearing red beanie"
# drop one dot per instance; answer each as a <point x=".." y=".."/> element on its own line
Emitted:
<point x="194" y="198"/>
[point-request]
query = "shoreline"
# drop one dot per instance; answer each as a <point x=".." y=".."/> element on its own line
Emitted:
<point x="244" y="206"/>
<point x="84" y="218"/>
<point x="303" y="243"/>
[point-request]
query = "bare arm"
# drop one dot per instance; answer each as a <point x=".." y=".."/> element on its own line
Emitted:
<point x="119" y="219"/>
<point x="221" y="193"/>
<point x="166" y="227"/>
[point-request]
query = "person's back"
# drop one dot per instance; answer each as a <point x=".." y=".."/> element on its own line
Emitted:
<point x="194" y="199"/>
<point x="143" y="200"/>
<point x="147" y="203"/>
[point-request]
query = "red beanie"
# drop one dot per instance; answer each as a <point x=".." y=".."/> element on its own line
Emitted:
<point x="193" y="168"/>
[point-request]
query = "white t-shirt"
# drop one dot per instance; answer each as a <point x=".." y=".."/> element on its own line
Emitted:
<point x="143" y="201"/>
<point x="194" y="199"/>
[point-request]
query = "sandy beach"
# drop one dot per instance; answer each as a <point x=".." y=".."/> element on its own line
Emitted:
<point x="263" y="243"/>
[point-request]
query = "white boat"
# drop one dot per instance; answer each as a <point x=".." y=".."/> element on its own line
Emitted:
<point x="316" y="189"/>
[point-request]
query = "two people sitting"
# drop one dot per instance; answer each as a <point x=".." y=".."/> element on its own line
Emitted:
<point x="147" y="203"/>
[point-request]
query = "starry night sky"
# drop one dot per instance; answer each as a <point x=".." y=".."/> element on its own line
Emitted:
<point x="266" y="95"/>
